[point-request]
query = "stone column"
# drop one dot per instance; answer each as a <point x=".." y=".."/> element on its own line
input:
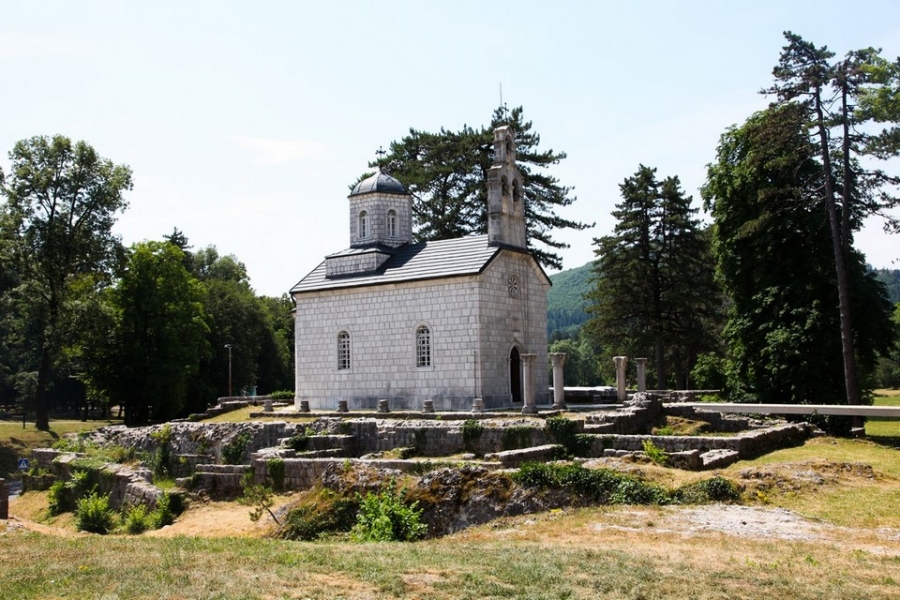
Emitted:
<point x="558" y="359"/>
<point x="621" y="393"/>
<point x="530" y="405"/>
<point x="641" y="364"/>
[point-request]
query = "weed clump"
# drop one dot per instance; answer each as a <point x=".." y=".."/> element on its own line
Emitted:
<point x="330" y="512"/>
<point x="471" y="433"/>
<point x="564" y="432"/>
<point x="714" y="489"/>
<point x="602" y="486"/>
<point x="93" y="514"/>
<point x="385" y="517"/>
<point x="233" y="452"/>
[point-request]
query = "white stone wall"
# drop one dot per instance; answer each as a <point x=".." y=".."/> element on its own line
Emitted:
<point x="382" y="321"/>
<point x="468" y="317"/>
<point x="508" y="322"/>
<point x="377" y="207"/>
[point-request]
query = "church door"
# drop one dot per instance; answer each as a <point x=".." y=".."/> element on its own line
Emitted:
<point x="515" y="375"/>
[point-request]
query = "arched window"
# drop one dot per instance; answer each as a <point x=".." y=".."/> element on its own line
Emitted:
<point x="423" y="346"/>
<point x="504" y="186"/>
<point x="343" y="351"/>
<point x="363" y="224"/>
<point x="517" y="193"/>
<point x="392" y="223"/>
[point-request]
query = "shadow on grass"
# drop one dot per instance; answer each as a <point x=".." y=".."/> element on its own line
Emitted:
<point x="888" y="441"/>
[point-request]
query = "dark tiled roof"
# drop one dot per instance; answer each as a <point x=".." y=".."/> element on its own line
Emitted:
<point x="379" y="182"/>
<point x="427" y="260"/>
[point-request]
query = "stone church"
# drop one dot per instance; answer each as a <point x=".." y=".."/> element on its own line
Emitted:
<point x="447" y="321"/>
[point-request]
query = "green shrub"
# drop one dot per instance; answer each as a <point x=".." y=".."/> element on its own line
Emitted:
<point x="298" y="443"/>
<point x="64" y="495"/>
<point x="282" y="395"/>
<point x="60" y="498"/>
<point x="385" y="517"/>
<point x="275" y="467"/>
<point x="168" y="506"/>
<point x="602" y="486"/>
<point x="159" y="460"/>
<point x="93" y="514"/>
<point x="516" y="437"/>
<point x="563" y="432"/>
<point x="714" y="489"/>
<point x="471" y="433"/>
<point x="233" y="452"/>
<point x="136" y="520"/>
<point x="330" y="513"/>
<point x="655" y="453"/>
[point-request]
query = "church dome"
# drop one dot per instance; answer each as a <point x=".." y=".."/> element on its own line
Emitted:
<point x="379" y="182"/>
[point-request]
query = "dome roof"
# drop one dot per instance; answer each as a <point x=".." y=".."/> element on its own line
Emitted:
<point x="379" y="182"/>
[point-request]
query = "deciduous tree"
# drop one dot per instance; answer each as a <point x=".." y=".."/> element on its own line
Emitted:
<point x="61" y="200"/>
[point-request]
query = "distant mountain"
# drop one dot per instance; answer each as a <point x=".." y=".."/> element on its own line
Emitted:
<point x="891" y="280"/>
<point x="565" y="301"/>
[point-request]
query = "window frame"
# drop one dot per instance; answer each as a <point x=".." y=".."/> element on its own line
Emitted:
<point x="344" y="351"/>
<point x="424" y="349"/>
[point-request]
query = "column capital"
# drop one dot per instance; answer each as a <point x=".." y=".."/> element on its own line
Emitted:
<point x="558" y="359"/>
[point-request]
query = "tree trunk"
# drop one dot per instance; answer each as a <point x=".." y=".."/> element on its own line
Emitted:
<point x="850" y="378"/>
<point x="41" y="415"/>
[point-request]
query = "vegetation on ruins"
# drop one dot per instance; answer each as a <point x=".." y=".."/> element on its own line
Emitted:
<point x="446" y="174"/>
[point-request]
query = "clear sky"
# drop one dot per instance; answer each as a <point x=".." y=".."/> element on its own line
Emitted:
<point x="245" y="122"/>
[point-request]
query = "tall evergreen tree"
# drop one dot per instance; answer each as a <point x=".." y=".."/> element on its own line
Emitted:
<point x="446" y="174"/>
<point x="654" y="293"/>
<point x="805" y="74"/>
<point x="773" y="248"/>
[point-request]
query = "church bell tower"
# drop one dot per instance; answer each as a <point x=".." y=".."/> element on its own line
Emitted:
<point x="506" y="202"/>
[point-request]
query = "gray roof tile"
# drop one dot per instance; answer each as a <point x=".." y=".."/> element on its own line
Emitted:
<point x="426" y="260"/>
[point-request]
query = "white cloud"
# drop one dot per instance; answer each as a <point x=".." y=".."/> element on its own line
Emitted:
<point x="277" y="152"/>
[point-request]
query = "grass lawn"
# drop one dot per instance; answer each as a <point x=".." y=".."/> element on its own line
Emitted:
<point x="17" y="442"/>
<point x="887" y="430"/>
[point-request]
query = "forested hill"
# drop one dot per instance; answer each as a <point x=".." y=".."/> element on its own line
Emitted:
<point x="890" y="278"/>
<point x="565" y="301"/>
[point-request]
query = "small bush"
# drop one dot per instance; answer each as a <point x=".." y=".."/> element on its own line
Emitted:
<point x="282" y="395"/>
<point x="168" y="506"/>
<point x="714" y="489"/>
<point x="93" y="514"/>
<point x="516" y="437"/>
<point x="655" y="453"/>
<point x="329" y="513"/>
<point x="597" y="485"/>
<point x="298" y="443"/>
<point x="60" y="498"/>
<point x="563" y="431"/>
<point x="275" y="467"/>
<point x="64" y="495"/>
<point x="233" y="452"/>
<point x="385" y="517"/>
<point x="159" y="460"/>
<point x="471" y="433"/>
<point x="137" y="520"/>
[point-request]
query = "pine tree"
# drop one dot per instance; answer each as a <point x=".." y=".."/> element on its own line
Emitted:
<point x="654" y="293"/>
<point x="446" y="174"/>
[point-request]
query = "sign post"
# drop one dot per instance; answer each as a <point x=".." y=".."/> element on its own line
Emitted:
<point x="23" y="464"/>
